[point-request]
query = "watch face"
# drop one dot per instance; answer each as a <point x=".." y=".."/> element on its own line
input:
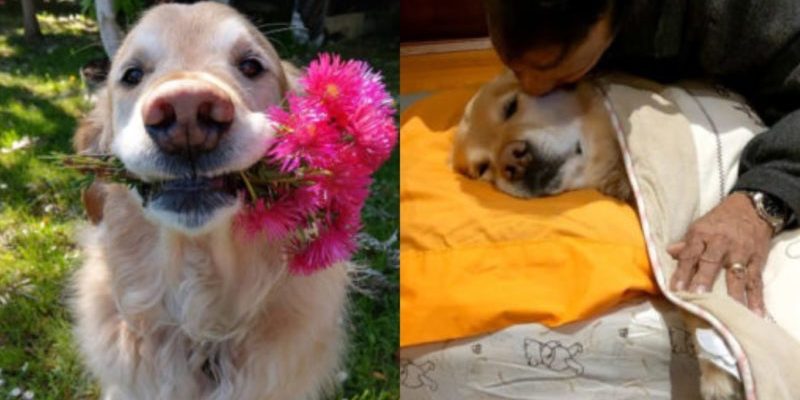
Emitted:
<point x="774" y="207"/>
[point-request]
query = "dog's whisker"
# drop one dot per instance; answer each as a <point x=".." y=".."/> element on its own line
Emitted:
<point x="278" y="44"/>
<point x="272" y="24"/>
<point x="291" y="28"/>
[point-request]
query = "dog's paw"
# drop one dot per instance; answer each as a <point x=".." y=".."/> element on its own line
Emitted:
<point x="716" y="384"/>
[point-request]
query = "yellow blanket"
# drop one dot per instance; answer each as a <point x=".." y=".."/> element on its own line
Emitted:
<point x="475" y="260"/>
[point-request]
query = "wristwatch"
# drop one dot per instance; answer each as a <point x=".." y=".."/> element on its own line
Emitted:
<point x="771" y="209"/>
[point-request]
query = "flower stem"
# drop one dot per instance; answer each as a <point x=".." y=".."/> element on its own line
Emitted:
<point x="250" y="188"/>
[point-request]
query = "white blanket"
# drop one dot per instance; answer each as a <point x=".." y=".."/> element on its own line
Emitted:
<point x="681" y="146"/>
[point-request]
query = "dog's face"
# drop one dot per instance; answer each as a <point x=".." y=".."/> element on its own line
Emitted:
<point x="535" y="146"/>
<point x="184" y="108"/>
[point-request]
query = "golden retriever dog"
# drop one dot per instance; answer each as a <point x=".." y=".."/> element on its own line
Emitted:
<point x="171" y="302"/>
<point x="534" y="146"/>
<point x="539" y="146"/>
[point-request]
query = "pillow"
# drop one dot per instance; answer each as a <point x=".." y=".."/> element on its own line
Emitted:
<point x="475" y="260"/>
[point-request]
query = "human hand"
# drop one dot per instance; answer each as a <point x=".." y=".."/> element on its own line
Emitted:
<point x="731" y="236"/>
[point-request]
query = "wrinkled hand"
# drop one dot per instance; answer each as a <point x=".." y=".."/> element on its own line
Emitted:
<point x="730" y="233"/>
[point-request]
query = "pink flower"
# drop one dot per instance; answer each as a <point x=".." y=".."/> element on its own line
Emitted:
<point x="343" y="124"/>
<point x="283" y="215"/>
<point x="336" y="83"/>
<point x="305" y="134"/>
<point x="375" y="135"/>
<point x="276" y="220"/>
<point x="330" y="247"/>
<point x="350" y="89"/>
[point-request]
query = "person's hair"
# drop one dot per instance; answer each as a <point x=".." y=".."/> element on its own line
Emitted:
<point x="517" y="26"/>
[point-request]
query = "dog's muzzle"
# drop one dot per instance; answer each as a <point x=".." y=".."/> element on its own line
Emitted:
<point x="191" y="202"/>
<point x="522" y="165"/>
<point x="187" y="119"/>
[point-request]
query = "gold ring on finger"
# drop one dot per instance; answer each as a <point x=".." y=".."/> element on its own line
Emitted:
<point x="737" y="268"/>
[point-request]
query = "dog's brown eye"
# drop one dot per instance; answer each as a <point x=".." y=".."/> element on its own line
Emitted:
<point x="482" y="168"/>
<point x="578" y="149"/>
<point x="510" y="109"/>
<point x="132" y="76"/>
<point x="251" y="68"/>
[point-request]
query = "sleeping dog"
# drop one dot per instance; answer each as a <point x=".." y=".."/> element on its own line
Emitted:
<point x="536" y="146"/>
<point x="539" y="146"/>
<point x="170" y="302"/>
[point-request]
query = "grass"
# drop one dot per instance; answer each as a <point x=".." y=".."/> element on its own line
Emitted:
<point x="41" y="99"/>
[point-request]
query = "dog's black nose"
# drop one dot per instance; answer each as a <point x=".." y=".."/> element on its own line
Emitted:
<point x="514" y="160"/>
<point x="542" y="175"/>
<point x="187" y="116"/>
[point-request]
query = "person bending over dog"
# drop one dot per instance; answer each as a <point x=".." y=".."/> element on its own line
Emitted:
<point x="751" y="46"/>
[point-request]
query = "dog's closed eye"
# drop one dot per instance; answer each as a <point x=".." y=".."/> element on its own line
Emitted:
<point x="510" y="109"/>
<point x="481" y="168"/>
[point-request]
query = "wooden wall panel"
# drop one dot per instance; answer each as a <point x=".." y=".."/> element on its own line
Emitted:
<point x="427" y="20"/>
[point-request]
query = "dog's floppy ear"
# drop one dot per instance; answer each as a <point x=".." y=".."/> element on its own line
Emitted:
<point x="89" y="139"/>
<point x="292" y="75"/>
<point x="617" y="184"/>
<point x="94" y="199"/>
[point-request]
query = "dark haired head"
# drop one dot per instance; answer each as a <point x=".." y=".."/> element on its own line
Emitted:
<point x="517" y="26"/>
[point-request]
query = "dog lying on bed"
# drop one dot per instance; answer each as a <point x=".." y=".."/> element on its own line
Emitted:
<point x="539" y="146"/>
<point x="170" y="302"/>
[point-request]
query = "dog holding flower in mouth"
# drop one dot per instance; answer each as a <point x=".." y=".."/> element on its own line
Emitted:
<point x="222" y="273"/>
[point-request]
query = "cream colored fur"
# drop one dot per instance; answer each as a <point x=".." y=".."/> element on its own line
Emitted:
<point x="165" y="314"/>
<point x="152" y="306"/>
<point x="556" y="123"/>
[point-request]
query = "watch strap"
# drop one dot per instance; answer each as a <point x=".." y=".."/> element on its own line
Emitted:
<point x="770" y="209"/>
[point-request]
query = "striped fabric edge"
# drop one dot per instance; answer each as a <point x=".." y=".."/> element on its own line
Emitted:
<point x="741" y="358"/>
